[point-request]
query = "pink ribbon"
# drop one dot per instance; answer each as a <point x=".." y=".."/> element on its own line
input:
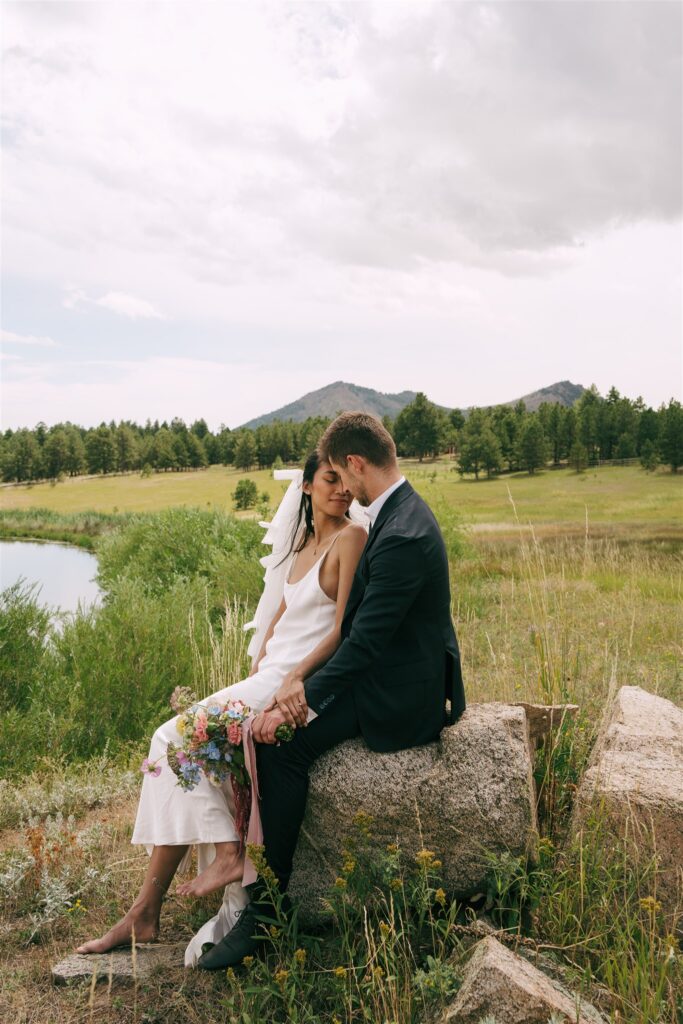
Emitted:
<point x="255" y="828"/>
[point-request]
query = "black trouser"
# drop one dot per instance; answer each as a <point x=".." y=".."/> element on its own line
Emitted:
<point x="283" y="780"/>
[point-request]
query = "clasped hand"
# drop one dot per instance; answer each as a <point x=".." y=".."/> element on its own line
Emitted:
<point x="288" y="705"/>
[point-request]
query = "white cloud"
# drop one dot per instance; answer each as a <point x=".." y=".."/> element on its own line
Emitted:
<point x="27" y="339"/>
<point x="159" y="388"/>
<point x="118" y="302"/>
<point x="421" y="194"/>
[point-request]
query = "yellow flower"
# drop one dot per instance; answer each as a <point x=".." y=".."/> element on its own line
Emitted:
<point x="440" y="897"/>
<point x="392" y="848"/>
<point x="384" y="928"/>
<point x="300" y="956"/>
<point x="425" y="858"/>
<point x="340" y="883"/>
<point x="650" y="904"/>
<point x="363" y="821"/>
<point x="274" y="932"/>
<point x="340" y="972"/>
<point x="281" y="977"/>
<point x="395" y="883"/>
<point x="436" y="863"/>
<point x="348" y="866"/>
<point x="378" y="973"/>
<point x="248" y="961"/>
<point x="230" y="974"/>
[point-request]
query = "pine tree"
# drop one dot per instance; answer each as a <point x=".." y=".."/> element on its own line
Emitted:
<point x="245" y="450"/>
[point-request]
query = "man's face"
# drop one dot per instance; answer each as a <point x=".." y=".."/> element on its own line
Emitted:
<point x="352" y="481"/>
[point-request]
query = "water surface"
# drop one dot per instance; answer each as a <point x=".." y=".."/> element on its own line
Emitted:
<point x="64" y="574"/>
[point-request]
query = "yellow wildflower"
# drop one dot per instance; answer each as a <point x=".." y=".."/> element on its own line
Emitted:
<point x="274" y="932"/>
<point x="395" y="883"/>
<point x="440" y="897"/>
<point x="248" y="961"/>
<point x="384" y="928"/>
<point x="650" y="904"/>
<point x="340" y="972"/>
<point x="281" y="977"/>
<point x="425" y="858"/>
<point x="300" y="957"/>
<point x="340" y="883"/>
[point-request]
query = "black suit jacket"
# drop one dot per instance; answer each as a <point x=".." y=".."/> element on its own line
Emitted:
<point x="399" y="654"/>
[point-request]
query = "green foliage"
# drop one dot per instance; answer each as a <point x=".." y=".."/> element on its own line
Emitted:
<point x="24" y="628"/>
<point x="578" y="457"/>
<point x="245" y="494"/>
<point x="157" y="549"/>
<point x="419" y="428"/>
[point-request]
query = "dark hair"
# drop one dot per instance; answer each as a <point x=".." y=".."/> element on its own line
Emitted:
<point x="358" y="433"/>
<point x="311" y="466"/>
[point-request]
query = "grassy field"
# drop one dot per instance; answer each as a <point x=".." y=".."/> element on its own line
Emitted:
<point x="564" y="593"/>
<point x="611" y="497"/>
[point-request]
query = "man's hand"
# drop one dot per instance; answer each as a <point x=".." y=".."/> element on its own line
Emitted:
<point x="291" y="700"/>
<point x="265" y="725"/>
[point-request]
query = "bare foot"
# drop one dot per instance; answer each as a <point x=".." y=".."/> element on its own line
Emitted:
<point x="227" y="867"/>
<point x="146" y="930"/>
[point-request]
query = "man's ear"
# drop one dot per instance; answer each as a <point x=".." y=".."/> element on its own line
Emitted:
<point x="356" y="462"/>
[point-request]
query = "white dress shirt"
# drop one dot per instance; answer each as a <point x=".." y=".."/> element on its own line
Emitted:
<point x="372" y="511"/>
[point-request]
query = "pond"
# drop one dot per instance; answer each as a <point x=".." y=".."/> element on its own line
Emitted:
<point x="64" y="574"/>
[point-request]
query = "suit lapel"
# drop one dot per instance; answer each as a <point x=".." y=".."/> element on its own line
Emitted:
<point x="359" y="580"/>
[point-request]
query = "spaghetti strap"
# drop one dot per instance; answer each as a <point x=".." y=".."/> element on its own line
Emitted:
<point x="317" y="563"/>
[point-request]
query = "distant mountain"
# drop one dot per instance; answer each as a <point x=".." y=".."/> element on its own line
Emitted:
<point x="340" y="396"/>
<point x="563" y="392"/>
<point x="335" y="398"/>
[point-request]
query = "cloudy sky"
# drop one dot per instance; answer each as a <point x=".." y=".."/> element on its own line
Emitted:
<point x="212" y="208"/>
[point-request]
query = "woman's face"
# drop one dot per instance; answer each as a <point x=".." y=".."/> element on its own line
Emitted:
<point x="327" y="492"/>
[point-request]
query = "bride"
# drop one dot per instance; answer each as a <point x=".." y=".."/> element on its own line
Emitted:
<point x="317" y="541"/>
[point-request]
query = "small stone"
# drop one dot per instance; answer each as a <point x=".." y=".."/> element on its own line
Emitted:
<point x="119" y="964"/>
<point x="499" y="983"/>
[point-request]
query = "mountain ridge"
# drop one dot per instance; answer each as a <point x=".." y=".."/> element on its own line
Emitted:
<point x="342" y="395"/>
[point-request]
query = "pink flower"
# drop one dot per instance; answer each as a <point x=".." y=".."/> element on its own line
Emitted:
<point x="235" y="734"/>
<point x="150" y="768"/>
<point x="200" y="733"/>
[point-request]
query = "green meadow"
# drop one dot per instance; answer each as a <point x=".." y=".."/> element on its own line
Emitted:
<point x="565" y="586"/>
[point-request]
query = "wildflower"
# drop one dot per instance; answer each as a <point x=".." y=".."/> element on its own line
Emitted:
<point x="247" y="961"/>
<point x="425" y="858"/>
<point x="181" y="697"/>
<point x="230" y="974"/>
<point x="348" y="866"/>
<point x="440" y="897"/>
<point x="395" y="884"/>
<point x="150" y="768"/>
<point x="340" y="972"/>
<point x="377" y="973"/>
<point x="281" y="977"/>
<point x="650" y="904"/>
<point x="274" y="932"/>
<point x="384" y="928"/>
<point x="363" y="821"/>
<point x="340" y="883"/>
<point x="300" y="957"/>
<point x="392" y="848"/>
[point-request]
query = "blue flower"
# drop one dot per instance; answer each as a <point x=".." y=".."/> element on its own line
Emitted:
<point x="228" y="756"/>
<point x="212" y="752"/>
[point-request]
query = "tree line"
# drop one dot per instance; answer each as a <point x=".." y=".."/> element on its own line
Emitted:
<point x="487" y="440"/>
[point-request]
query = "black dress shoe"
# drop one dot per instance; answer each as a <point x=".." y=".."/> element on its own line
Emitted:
<point x="240" y="941"/>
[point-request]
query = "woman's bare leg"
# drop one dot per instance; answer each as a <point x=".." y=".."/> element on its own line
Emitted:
<point x="143" y="916"/>
<point x="227" y="867"/>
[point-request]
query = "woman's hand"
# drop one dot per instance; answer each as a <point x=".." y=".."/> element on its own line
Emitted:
<point x="291" y="699"/>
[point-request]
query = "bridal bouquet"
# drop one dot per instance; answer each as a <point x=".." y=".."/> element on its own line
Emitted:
<point x="212" y="742"/>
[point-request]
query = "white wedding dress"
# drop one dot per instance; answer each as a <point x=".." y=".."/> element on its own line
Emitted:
<point x="169" y="815"/>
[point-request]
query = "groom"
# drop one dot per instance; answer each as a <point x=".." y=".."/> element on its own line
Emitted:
<point x="388" y="680"/>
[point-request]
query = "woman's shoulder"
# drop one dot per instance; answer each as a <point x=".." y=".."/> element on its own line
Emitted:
<point x="353" y="537"/>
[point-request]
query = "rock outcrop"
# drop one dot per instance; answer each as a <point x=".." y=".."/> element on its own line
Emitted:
<point x="468" y="795"/>
<point x="501" y="984"/>
<point x="636" y="775"/>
